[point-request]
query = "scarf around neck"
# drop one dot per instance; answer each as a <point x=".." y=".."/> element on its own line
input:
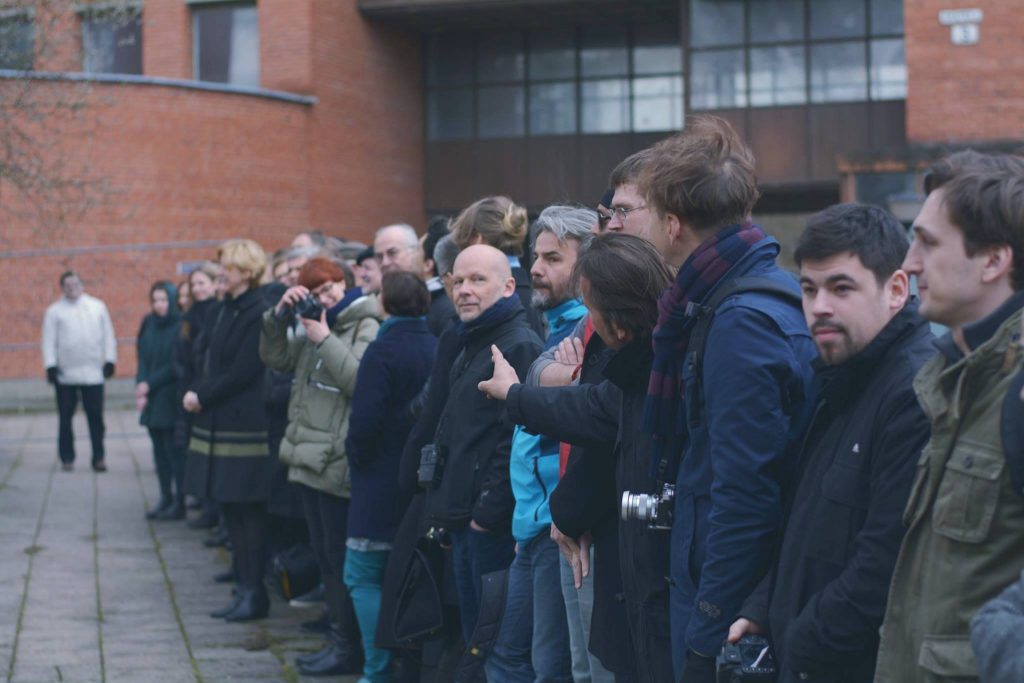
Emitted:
<point x="503" y="310"/>
<point x="664" y="408"/>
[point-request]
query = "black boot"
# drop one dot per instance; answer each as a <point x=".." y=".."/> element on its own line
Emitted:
<point x="253" y="604"/>
<point x="229" y="608"/>
<point x="341" y="656"/>
<point x="174" y="511"/>
<point x="165" y="502"/>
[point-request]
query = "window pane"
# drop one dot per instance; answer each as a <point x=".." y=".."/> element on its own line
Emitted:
<point x="837" y="18"/>
<point x="227" y="44"/>
<point x="552" y="54"/>
<point x="502" y="111"/>
<point x="658" y="103"/>
<point x="500" y="57"/>
<point x="450" y="59"/>
<point x="777" y="76"/>
<point x="838" y="73"/>
<point x="17" y="44"/>
<point x="656" y="50"/>
<point x="888" y="70"/>
<point x="716" y="22"/>
<point x="886" y="16"/>
<point x="776" y="20"/>
<point x="553" y="108"/>
<point x="112" y="43"/>
<point x="605" y="106"/>
<point x="450" y="114"/>
<point x="604" y="52"/>
<point x="718" y="80"/>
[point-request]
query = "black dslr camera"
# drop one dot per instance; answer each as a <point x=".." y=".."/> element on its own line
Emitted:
<point x="748" y="661"/>
<point x="652" y="508"/>
<point x="309" y="307"/>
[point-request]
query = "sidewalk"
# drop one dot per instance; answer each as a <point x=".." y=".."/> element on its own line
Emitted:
<point x="92" y="592"/>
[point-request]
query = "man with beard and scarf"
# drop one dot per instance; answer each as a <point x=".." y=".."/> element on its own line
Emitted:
<point x="823" y="602"/>
<point x="473" y="497"/>
<point x="533" y="642"/>
<point x="726" y="411"/>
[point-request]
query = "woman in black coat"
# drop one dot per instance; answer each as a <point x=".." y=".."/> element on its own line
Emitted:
<point x="229" y="457"/>
<point x="156" y="396"/>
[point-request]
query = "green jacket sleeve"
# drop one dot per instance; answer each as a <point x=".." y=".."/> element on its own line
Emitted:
<point x="341" y="356"/>
<point x="276" y="350"/>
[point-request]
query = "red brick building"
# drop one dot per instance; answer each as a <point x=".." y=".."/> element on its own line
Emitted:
<point x="208" y="120"/>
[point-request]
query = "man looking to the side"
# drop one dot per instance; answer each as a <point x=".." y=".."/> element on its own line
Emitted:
<point x="823" y="602"/>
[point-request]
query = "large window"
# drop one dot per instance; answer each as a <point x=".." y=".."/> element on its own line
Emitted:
<point x="763" y="53"/>
<point x="112" y="41"/>
<point x="558" y="81"/>
<point x="226" y="43"/>
<point x="17" y="41"/>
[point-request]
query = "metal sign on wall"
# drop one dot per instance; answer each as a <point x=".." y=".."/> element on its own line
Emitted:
<point x="964" y="25"/>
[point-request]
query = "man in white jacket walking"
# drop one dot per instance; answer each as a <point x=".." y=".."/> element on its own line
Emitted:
<point x="79" y="352"/>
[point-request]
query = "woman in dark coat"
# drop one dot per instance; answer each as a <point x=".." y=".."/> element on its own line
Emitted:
<point x="156" y="395"/>
<point x="229" y="457"/>
<point x="392" y="372"/>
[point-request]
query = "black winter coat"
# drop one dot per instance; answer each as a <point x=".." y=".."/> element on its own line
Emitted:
<point x="229" y="459"/>
<point x="845" y="518"/>
<point x="155" y="350"/>
<point x="472" y="437"/>
<point x="188" y="355"/>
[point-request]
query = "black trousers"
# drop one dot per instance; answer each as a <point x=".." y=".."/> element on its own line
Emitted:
<point x="169" y="461"/>
<point x="327" y="520"/>
<point x="67" y="402"/>
<point x="247" y="530"/>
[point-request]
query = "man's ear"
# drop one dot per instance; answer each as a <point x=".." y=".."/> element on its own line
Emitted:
<point x="898" y="290"/>
<point x="510" y="287"/>
<point x="998" y="263"/>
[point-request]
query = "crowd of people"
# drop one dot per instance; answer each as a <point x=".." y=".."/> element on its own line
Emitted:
<point x="618" y="443"/>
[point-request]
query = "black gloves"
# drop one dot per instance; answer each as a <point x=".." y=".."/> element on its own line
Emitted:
<point x="108" y="370"/>
<point x="698" y="669"/>
<point x="51" y="374"/>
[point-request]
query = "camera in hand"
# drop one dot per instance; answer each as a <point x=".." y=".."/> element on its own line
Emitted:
<point x="653" y="508"/>
<point x="431" y="463"/>
<point x="749" y="660"/>
<point x="309" y="307"/>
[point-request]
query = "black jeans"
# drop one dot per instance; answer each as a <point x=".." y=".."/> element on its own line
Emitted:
<point x="327" y="520"/>
<point x="169" y="461"/>
<point x="67" y="402"/>
<point x="247" y="529"/>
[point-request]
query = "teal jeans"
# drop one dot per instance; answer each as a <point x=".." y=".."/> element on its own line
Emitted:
<point x="364" y="571"/>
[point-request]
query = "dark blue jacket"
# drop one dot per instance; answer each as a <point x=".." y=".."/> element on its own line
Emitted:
<point x="392" y="371"/>
<point x="745" y="427"/>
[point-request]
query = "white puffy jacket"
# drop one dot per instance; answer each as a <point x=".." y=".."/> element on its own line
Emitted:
<point x="78" y="339"/>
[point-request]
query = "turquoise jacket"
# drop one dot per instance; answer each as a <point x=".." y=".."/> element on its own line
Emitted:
<point x="533" y="465"/>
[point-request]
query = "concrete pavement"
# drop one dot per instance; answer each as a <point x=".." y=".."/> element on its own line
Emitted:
<point x="92" y="592"/>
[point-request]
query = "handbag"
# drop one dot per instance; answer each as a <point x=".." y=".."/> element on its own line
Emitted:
<point x="419" y="609"/>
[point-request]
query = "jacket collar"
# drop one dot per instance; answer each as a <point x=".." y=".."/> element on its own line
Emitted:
<point x="630" y="367"/>
<point x="567" y="312"/>
<point x="363" y="307"/>
<point x="979" y="332"/>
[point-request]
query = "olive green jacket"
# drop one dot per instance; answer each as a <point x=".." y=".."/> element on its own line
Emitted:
<point x="965" y="522"/>
<point x="325" y="379"/>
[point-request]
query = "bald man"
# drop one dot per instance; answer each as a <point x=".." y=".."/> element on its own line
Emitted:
<point x="470" y="494"/>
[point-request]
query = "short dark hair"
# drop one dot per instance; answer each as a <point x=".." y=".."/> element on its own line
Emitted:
<point x="65" y="275"/>
<point x="984" y="197"/>
<point x="404" y="294"/>
<point x="703" y="175"/>
<point x="629" y="169"/>
<point x="626" y="276"/>
<point x="873" y="234"/>
<point x="437" y="227"/>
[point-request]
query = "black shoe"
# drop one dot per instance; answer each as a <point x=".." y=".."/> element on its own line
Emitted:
<point x="203" y="521"/>
<point x="319" y="625"/>
<point x="309" y="599"/>
<point x="224" y="577"/>
<point x="164" y="503"/>
<point x="99" y="466"/>
<point x="220" y="539"/>
<point x="253" y="604"/>
<point x="194" y="504"/>
<point x="313" y="657"/>
<point x="174" y="511"/>
<point x="228" y="608"/>
<point x="341" y="656"/>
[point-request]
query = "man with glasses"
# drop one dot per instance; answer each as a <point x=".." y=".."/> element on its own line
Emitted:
<point x="397" y="247"/>
<point x="628" y="211"/>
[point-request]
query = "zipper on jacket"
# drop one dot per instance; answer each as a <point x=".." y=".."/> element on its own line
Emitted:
<point x="543" y="488"/>
<point x="324" y="387"/>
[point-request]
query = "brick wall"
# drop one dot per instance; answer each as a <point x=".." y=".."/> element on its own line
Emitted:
<point x="964" y="93"/>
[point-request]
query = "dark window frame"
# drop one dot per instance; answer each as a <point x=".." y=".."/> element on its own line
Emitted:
<point x="528" y="80"/>
<point x="132" y="12"/>
<point x="25" y="17"/>
<point x="196" y="9"/>
<point x="806" y="42"/>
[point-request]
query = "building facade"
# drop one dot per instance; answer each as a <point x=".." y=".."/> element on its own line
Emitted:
<point x="209" y="120"/>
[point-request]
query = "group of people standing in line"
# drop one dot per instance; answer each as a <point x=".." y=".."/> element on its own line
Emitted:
<point x="650" y="444"/>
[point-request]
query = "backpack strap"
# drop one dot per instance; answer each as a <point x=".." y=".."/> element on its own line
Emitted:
<point x="704" y="315"/>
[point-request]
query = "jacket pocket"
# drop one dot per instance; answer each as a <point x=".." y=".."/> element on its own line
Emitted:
<point x="968" y="493"/>
<point x="844" y="484"/>
<point x="947" y="657"/>
<point x="914" y="500"/>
